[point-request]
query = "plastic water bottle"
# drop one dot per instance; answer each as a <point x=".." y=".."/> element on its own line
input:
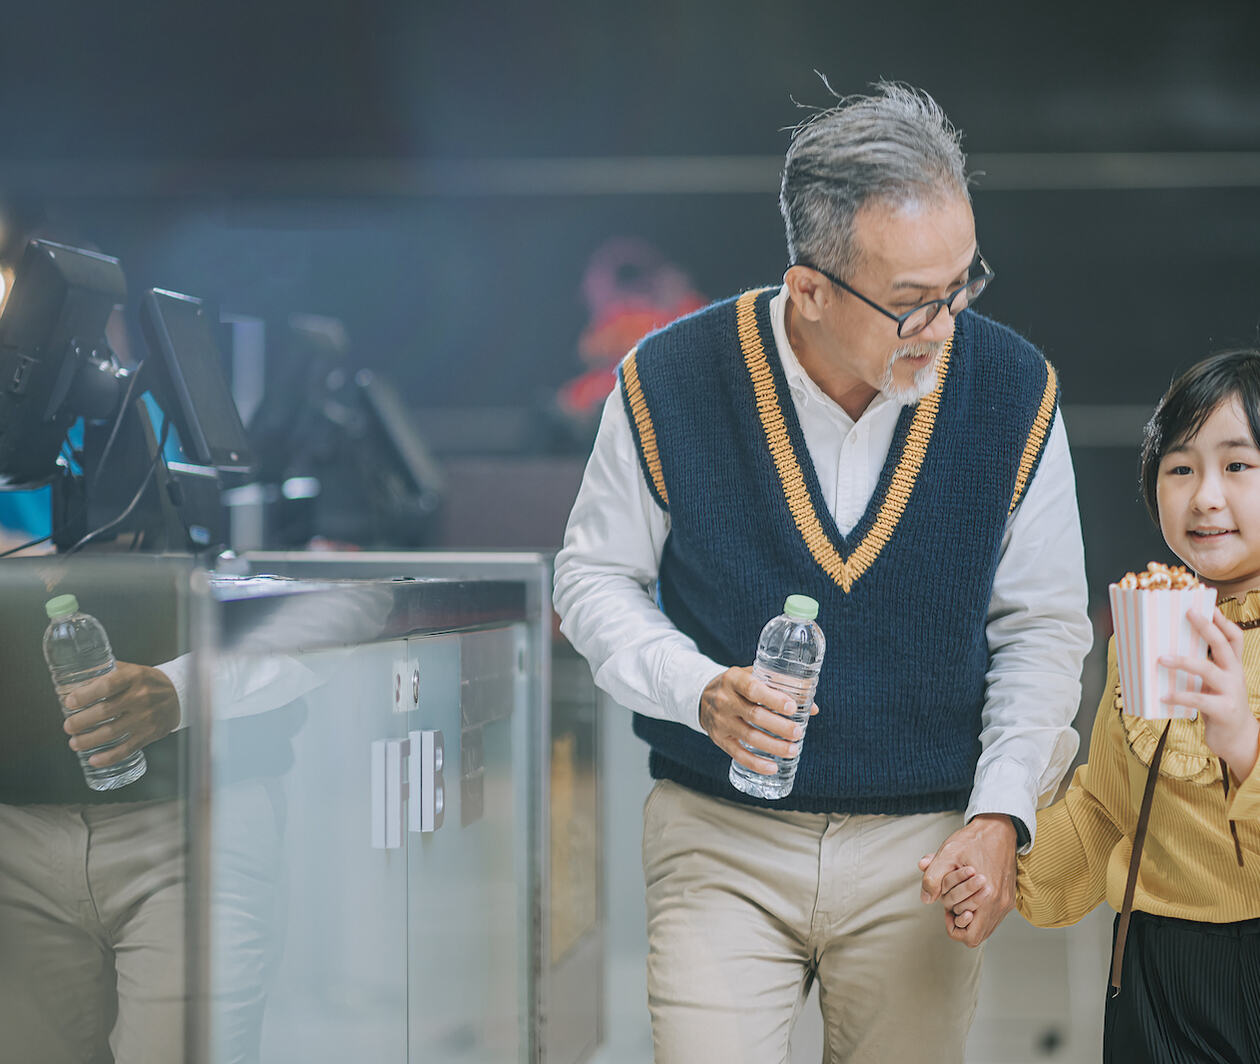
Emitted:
<point x="789" y="657"/>
<point x="77" y="650"/>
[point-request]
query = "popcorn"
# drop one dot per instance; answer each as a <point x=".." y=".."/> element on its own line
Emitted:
<point x="1159" y="577"/>
<point x="1149" y="613"/>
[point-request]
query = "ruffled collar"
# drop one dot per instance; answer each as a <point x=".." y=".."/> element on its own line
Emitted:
<point x="1186" y="755"/>
<point x="1244" y="611"/>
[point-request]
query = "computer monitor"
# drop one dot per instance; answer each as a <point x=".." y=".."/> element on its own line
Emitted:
<point x="54" y="364"/>
<point x="306" y="360"/>
<point x="410" y="472"/>
<point x="341" y="456"/>
<point x="185" y="373"/>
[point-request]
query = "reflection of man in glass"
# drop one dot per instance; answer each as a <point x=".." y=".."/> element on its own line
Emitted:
<point x="133" y="706"/>
<point x="92" y="886"/>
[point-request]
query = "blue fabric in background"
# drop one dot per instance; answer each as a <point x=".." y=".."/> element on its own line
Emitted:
<point x="30" y="512"/>
<point x="27" y="512"/>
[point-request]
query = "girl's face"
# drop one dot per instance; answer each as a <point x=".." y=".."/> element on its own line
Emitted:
<point x="1208" y="493"/>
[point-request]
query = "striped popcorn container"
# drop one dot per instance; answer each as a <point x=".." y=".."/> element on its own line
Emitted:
<point x="1151" y="624"/>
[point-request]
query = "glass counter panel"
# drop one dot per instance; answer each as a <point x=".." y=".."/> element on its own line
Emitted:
<point x="368" y="793"/>
<point x="466" y="905"/>
<point x="307" y="921"/>
<point x="92" y="883"/>
<point x="559" y="858"/>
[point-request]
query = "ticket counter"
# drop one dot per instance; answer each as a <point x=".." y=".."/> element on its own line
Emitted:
<point x="377" y="839"/>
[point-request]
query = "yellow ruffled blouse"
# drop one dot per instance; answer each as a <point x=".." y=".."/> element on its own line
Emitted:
<point x="1189" y="865"/>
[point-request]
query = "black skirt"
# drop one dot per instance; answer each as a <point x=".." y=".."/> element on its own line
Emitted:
<point x="1189" y="994"/>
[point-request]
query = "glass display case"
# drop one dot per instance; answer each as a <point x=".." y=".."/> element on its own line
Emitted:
<point x="439" y="816"/>
<point x="373" y="835"/>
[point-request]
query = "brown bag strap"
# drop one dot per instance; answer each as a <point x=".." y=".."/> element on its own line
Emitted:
<point x="1139" y="837"/>
<point x="1233" y="828"/>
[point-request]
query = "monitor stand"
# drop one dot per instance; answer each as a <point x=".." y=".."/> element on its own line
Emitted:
<point x="180" y="509"/>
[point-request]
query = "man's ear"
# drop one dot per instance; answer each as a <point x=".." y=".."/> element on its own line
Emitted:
<point x="809" y="291"/>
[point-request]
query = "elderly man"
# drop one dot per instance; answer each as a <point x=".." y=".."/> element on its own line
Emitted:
<point x="860" y="435"/>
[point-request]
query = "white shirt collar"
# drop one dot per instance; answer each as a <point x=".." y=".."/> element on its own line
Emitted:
<point x="803" y="386"/>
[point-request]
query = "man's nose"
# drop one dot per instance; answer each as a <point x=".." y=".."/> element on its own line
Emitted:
<point x="940" y="328"/>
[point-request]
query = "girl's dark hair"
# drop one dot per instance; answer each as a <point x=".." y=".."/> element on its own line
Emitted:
<point x="1189" y="402"/>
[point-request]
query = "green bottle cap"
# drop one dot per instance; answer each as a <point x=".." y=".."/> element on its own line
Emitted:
<point x="61" y="606"/>
<point x="800" y="607"/>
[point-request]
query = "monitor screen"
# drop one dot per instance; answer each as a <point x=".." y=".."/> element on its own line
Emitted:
<point x="189" y="382"/>
<point x="51" y="342"/>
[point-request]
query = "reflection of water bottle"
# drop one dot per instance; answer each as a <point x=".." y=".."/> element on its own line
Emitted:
<point x="77" y="650"/>
<point x="789" y="657"/>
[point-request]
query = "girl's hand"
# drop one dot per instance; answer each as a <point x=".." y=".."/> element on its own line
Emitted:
<point x="962" y="891"/>
<point x="1229" y="728"/>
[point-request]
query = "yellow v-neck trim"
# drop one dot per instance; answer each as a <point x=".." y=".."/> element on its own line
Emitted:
<point x="1037" y="436"/>
<point x="844" y="572"/>
<point x="643" y="425"/>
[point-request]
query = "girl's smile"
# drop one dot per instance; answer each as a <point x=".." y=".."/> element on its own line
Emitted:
<point x="1208" y="492"/>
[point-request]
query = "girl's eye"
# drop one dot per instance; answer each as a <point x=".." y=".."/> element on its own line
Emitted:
<point x="1237" y="467"/>
<point x="1178" y="471"/>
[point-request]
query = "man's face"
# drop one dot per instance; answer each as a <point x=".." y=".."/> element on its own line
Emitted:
<point x="909" y="254"/>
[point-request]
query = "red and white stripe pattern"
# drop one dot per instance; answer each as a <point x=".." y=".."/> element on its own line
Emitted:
<point x="1151" y="624"/>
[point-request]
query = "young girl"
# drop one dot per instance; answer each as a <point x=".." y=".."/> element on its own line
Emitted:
<point x="1186" y="978"/>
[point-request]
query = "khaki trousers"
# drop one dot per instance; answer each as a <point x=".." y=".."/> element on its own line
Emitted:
<point x="93" y="928"/>
<point x="746" y="907"/>
<point x="92" y="933"/>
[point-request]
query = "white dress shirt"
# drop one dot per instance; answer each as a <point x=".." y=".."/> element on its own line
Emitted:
<point x="1038" y="628"/>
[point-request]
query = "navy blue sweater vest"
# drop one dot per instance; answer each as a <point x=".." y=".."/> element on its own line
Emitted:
<point x="903" y="599"/>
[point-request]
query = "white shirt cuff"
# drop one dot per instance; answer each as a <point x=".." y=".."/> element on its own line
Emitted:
<point x="177" y="671"/>
<point x="688" y="672"/>
<point x="1005" y="787"/>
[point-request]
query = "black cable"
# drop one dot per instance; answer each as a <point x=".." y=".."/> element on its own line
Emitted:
<point x="113" y="431"/>
<point x="30" y="543"/>
<point x="135" y="499"/>
<point x="133" y="378"/>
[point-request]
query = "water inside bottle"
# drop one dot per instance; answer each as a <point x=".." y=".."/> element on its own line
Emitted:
<point x="778" y="785"/>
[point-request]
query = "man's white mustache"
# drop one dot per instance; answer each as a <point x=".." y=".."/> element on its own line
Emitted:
<point x="918" y="350"/>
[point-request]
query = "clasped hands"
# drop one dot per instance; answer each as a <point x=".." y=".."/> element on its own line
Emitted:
<point x="972" y="875"/>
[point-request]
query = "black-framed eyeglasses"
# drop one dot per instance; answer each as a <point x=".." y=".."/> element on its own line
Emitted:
<point x="916" y="319"/>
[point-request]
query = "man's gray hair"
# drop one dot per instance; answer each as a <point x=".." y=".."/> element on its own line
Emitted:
<point x="895" y="146"/>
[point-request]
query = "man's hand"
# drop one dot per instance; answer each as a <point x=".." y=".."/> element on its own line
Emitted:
<point x="735" y="705"/>
<point x="133" y="701"/>
<point x="974" y="869"/>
